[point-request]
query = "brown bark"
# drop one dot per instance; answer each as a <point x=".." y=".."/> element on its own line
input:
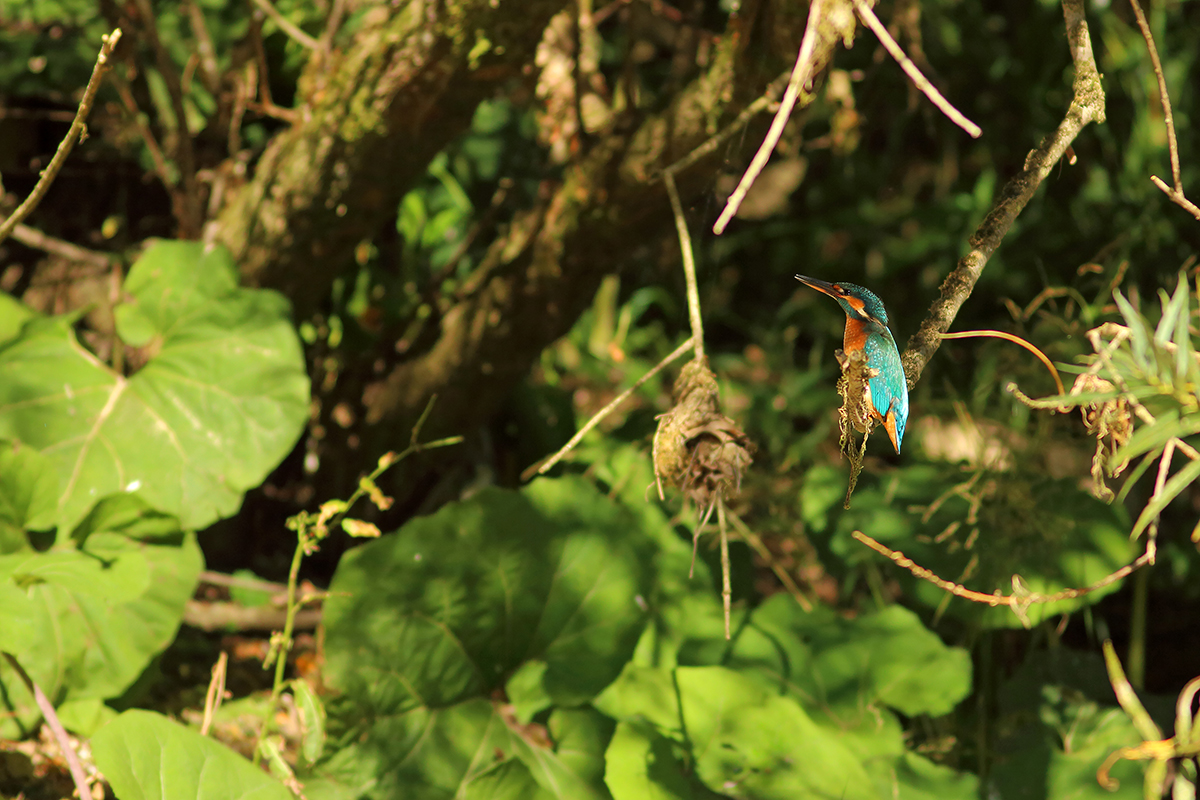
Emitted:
<point x="544" y="270"/>
<point x="372" y="116"/>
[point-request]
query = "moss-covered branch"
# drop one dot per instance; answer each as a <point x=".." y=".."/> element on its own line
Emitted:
<point x="372" y="116"/>
<point x="1087" y="106"/>
<point x="544" y="270"/>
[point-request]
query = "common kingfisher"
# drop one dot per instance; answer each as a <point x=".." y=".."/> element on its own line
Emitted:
<point x="867" y="330"/>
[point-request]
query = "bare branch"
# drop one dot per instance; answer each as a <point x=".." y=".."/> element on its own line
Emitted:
<point x="60" y="734"/>
<point x="910" y="69"/>
<point x="1016" y="600"/>
<point x="189" y="222"/>
<point x="77" y="131"/>
<point x="802" y="73"/>
<point x="1087" y="106"/>
<point x="32" y="237"/>
<point x="608" y="409"/>
<point x="689" y="266"/>
<point x="764" y="102"/>
<point x="287" y="26"/>
<point x="1176" y="194"/>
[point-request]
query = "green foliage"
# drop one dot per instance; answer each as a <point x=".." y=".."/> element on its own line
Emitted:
<point x="146" y="756"/>
<point x="123" y="468"/>
<point x="539" y="593"/>
<point x="1059" y="723"/>
<point x="221" y="400"/>
<point x="85" y="623"/>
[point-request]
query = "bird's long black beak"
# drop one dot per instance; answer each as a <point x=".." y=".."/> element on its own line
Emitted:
<point x="820" y="286"/>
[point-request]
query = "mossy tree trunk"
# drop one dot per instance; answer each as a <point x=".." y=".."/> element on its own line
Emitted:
<point x="374" y="118"/>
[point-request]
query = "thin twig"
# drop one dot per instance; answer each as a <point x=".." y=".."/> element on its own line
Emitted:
<point x="604" y="412"/>
<point x="1176" y="193"/>
<point x="756" y="543"/>
<point x="216" y="692"/>
<point x="210" y="73"/>
<point x="996" y="598"/>
<point x="287" y="26"/>
<point x="765" y="101"/>
<point x="801" y="74"/>
<point x="32" y="237"/>
<point x="1177" y="197"/>
<point x="156" y="154"/>
<point x="332" y="23"/>
<point x="1087" y="106"/>
<point x="1016" y="340"/>
<point x="910" y="69"/>
<point x="60" y="735"/>
<point x="1172" y="144"/>
<point x="185" y="156"/>
<point x="726" y="584"/>
<point x="221" y="579"/>
<point x="689" y="266"/>
<point x="77" y="131"/>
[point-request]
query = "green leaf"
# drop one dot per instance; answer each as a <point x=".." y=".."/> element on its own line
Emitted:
<point x="455" y="602"/>
<point x="645" y="765"/>
<point x="526" y="690"/>
<point x="1050" y="533"/>
<point x="1153" y="438"/>
<point x="220" y="402"/>
<point x="581" y="736"/>
<point x="85" y="717"/>
<point x="1171" y="489"/>
<point x="913" y="777"/>
<point x="429" y="621"/>
<point x="127" y="514"/>
<point x="751" y="743"/>
<point x="1058" y="721"/>
<point x="887" y="657"/>
<point x="113" y="576"/>
<point x="1138" y="332"/>
<point x="146" y="756"/>
<point x="28" y="493"/>
<point x="78" y="643"/>
<point x="248" y="597"/>
<point x="13" y="315"/>
<point x="428" y="754"/>
<point x="312" y="720"/>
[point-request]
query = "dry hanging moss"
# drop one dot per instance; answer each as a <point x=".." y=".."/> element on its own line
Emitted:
<point x="696" y="447"/>
<point x="1111" y="422"/>
<point x="855" y="412"/>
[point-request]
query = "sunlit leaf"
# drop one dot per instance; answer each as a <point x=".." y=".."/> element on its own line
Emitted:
<point x="221" y="401"/>
<point x="146" y="756"/>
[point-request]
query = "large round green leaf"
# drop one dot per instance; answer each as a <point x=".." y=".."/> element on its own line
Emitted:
<point x="221" y="400"/>
<point x="548" y="585"/>
<point x="85" y="624"/>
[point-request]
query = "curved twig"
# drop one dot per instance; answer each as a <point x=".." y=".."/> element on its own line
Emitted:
<point x="1175" y="192"/>
<point x="910" y="69"/>
<point x="801" y="74"/>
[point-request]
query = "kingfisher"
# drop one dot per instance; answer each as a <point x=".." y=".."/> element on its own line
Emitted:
<point x="867" y="330"/>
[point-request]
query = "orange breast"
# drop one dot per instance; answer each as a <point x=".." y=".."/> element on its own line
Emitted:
<point x="856" y="336"/>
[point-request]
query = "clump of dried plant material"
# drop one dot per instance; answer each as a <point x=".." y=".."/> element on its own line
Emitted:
<point x="696" y="447"/>
<point x="855" y="412"/>
<point x="1111" y="422"/>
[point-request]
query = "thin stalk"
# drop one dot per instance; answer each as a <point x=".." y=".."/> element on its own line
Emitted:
<point x="1135" y="659"/>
